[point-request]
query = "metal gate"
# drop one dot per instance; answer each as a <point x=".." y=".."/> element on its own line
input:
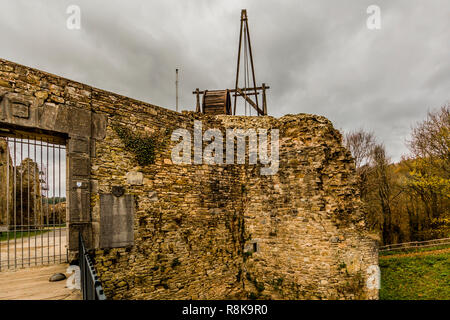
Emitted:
<point x="32" y="201"/>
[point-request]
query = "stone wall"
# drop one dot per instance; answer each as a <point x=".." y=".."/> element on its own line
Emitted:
<point x="6" y="184"/>
<point x="205" y="231"/>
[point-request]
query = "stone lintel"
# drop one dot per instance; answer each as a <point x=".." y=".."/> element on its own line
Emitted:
<point x="29" y="111"/>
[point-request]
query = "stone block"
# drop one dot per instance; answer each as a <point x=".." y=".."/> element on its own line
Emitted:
<point x="79" y="205"/>
<point x="116" y="221"/>
<point x="19" y="110"/>
<point x="94" y="186"/>
<point x="135" y="178"/>
<point x="79" y="166"/>
<point x="51" y="119"/>
<point x="79" y="145"/>
<point x="80" y="122"/>
<point x="74" y="230"/>
<point x="153" y="196"/>
<point x="99" y="122"/>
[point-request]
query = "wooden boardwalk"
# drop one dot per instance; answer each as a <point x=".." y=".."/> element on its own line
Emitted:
<point x="32" y="284"/>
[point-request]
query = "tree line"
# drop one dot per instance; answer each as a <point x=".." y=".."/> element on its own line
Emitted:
<point x="408" y="200"/>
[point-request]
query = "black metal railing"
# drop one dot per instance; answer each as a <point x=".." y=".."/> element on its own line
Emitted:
<point x="91" y="288"/>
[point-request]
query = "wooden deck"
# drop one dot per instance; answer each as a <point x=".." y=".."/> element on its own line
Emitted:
<point x="32" y="284"/>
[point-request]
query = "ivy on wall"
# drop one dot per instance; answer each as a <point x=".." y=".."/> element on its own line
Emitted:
<point x="143" y="147"/>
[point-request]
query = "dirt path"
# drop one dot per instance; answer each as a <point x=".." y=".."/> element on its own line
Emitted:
<point x="32" y="284"/>
<point x="46" y="248"/>
<point x="414" y="254"/>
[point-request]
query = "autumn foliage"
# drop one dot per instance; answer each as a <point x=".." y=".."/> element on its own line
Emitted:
<point x="409" y="200"/>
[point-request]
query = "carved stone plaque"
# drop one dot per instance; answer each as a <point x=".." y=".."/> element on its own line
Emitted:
<point x="20" y="110"/>
<point x="116" y="221"/>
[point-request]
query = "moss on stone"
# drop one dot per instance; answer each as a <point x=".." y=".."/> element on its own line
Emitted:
<point x="143" y="147"/>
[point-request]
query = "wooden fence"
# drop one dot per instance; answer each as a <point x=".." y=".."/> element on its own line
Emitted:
<point x="415" y="245"/>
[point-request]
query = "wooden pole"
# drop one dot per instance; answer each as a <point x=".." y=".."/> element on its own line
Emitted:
<point x="233" y="90"/>
<point x="264" y="99"/>
<point x="250" y="102"/>
<point x="197" y="108"/>
<point x="251" y="59"/>
<point x="243" y="14"/>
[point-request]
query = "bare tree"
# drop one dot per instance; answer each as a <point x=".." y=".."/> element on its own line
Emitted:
<point x="409" y="200"/>
<point x="360" y="143"/>
<point x="431" y="138"/>
<point x="383" y="182"/>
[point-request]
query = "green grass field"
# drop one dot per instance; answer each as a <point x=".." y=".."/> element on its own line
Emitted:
<point x="19" y="234"/>
<point x="423" y="277"/>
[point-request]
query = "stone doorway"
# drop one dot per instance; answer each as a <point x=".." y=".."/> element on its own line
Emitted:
<point x="33" y="199"/>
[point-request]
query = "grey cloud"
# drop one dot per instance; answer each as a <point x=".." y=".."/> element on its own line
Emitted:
<point x="317" y="56"/>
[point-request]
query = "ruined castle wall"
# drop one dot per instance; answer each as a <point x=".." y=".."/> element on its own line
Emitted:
<point x="195" y="227"/>
<point x="25" y="208"/>
<point x="188" y="220"/>
<point x="186" y="231"/>
<point x="305" y="222"/>
<point x="29" y="211"/>
<point x="6" y="184"/>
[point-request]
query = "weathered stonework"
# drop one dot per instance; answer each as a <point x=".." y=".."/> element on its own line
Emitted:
<point x="6" y="185"/>
<point x="202" y="231"/>
<point x="20" y="205"/>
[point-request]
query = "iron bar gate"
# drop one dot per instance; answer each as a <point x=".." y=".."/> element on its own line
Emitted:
<point x="32" y="201"/>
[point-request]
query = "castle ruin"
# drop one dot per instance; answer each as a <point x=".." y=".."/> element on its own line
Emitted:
<point x="161" y="230"/>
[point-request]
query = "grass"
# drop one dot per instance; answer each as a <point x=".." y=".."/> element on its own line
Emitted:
<point x="20" y="234"/>
<point x="424" y="277"/>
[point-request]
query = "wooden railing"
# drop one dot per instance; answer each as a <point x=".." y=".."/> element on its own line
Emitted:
<point x="415" y="245"/>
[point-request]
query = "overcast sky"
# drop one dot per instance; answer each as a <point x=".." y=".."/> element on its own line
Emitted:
<point x="317" y="56"/>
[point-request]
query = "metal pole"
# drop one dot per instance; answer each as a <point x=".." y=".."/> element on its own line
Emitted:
<point x="54" y="206"/>
<point x="28" y="204"/>
<point x="35" y="188"/>
<point x="21" y="194"/>
<point x="15" y="204"/>
<point x="41" y="186"/>
<point x="47" y="192"/>
<point x="59" y="196"/>
<point x="176" y="86"/>
<point x="8" y="219"/>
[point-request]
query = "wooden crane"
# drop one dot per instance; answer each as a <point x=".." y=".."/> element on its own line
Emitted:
<point x="218" y="101"/>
